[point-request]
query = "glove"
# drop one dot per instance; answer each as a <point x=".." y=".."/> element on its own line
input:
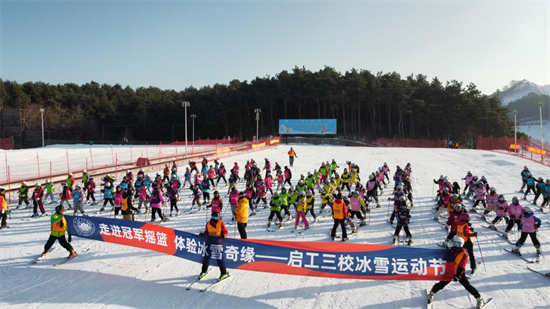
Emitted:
<point x="201" y="234"/>
<point x="475" y="234"/>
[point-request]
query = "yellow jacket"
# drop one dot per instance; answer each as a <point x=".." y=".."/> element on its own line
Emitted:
<point x="242" y="211"/>
<point x="58" y="229"/>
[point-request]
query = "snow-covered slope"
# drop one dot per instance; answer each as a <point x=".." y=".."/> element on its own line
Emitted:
<point x="533" y="129"/>
<point x="519" y="89"/>
<point x="114" y="276"/>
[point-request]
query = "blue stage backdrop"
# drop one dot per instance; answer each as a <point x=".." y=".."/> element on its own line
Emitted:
<point x="307" y="126"/>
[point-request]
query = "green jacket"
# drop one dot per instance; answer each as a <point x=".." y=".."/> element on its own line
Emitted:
<point x="49" y="188"/>
<point x="310" y="181"/>
<point x="284" y="198"/>
<point x="275" y="204"/>
<point x="59" y="225"/>
<point x="24" y="192"/>
<point x="85" y="177"/>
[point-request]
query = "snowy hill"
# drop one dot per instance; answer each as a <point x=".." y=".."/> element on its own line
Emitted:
<point x="518" y="89"/>
<point x="115" y="276"/>
<point x="532" y="128"/>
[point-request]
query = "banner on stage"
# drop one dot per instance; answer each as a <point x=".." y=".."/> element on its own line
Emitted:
<point x="307" y="126"/>
<point x="318" y="259"/>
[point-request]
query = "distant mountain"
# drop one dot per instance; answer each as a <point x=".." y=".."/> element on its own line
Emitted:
<point x="519" y="89"/>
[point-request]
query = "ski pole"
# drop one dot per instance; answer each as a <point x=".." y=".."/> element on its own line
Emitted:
<point x="481" y="254"/>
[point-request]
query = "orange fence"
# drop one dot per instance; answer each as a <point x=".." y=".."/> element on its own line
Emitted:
<point x="529" y="149"/>
<point x="6" y="143"/>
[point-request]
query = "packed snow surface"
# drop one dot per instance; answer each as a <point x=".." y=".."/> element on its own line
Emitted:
<point x="115" y="276"/>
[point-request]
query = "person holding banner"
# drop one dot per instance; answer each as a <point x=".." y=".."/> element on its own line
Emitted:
<point x="291" y="155"/>
<point x="460" y="261"/>
<point x="216" y="232"/>
<point x="241" y="214"/>
<point x="339" y="214"/>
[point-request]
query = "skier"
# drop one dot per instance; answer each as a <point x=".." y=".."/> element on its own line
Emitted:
<point x="23" y="195"/>
<point x="3" y="209"/>
<point x="300" y="210"/>
<point x="523" y="178"/>
<point x="221" y="175"/>
<point x="166" y="173"/>
<point x="216" y="231"/>
<point x="205" y="188"/>
<point x="37" y="196"/>
<point x="193" y="167"/>
<point x="269" y="183"/>
<point x="530" y="181"/>
<point x="156" y="201"/>
<point x="481" y="194"/>
<point x="70" y="182"/>
<point x="107" y="195"/>
<point x="233" y="179"/>
<point x="288" y="176"/>
<point x="356" y="205"/>
<point x="196" y="196"/>
<point x="403" y="217"/>
<point x="250" y="195"/>
<point x="187" y="177"/>
<point x="174" y="170"/>
<point x="339" y="214"/>
<point x="241" y="214"/>
<point x="467" y="180"/>
<point x="85" y="178"/>
<point x="291" y="155"/>
<point x="492" y="199"/>
<point x="280" y="180"/>
<point x="204" y="163"/>
<point x="65" y="196"/>
<point x="529" y="227"/>
<point x="345" y="180"/>
<point x="127" y="207"/>
<point x="444" y="203"/>
<point x="540" y="190"/>
<point x="118" y="200"/>
<point x="386" y="170"/>
<point x="515" y="212"/>
<point x="90" y="188"/>
<point x="172" y="195"/>
<point x="460" y="260"/>
<point x="142" y="198"/>
<point x="49" y="191"/>
<point x="78" y="200"/>
<point x="216" y="204"/>
<point x="275" y="209"/>
<point x="463" y="231"/>
<point x="210" y="175"/>
<point x="59" y="226"/>
<point x="310" y="205"/>
<point x="455" y="216"/>
<point x="284" y="203"/>
<point x="501" y="210"/>
<point x="546" y="194"/>
<point x="233" y="201"/>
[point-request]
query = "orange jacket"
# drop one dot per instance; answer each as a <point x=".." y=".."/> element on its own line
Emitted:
<point x="242" y="211"/>
<point x="291" y="153"/>
<point x="339" y="210"/>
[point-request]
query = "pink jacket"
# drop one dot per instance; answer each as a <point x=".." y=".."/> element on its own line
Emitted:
<point x="268" y="182"/>
<point x="216" y="205"/>
<point x="143" y="193"/>
<point x="515" y="211"/>
<point x="492" y="200"/>
<point x="385" y="169"/>
<point x="355" y="204"/>
<point x="280" y="179"/>
<point x="480" y="193"/>
<point x="468" y="179"/>
<point x="234" y="198"/>
<point x="118" y="198"/>
<point x="260" y="191"/>
<point x="210" y="174"/>
<point x="502" y="209"/>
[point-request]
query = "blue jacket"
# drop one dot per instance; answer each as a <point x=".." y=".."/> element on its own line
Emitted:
<point x="530" y="181"/>
<point x="108" y="193"/>
<point x="77" y="196"/>
<point x="147" y="182"/>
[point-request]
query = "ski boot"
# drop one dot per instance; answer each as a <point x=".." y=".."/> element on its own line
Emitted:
<point x="394" y="240"/>
<point x="268" y="224"/>
<point x="34" y="215"/>
<point x="480" y="303"/>
<point x="44" y="254"/>
<point x="224" y="276"/>
<point x="170" y="214"/>
<point x="473" y="271"/>
<point x="281" y="224"/>
<point x="202" y="275"/>
<point x="431" y="297"/>
<point x="307" y="228"/>
<point x="344" y="239"/>
<point x="516" y="251"/>
<point x="72" y="255"/>
<point x="102" y="209"/>
<point x="410" y="242"/>
<point x="539" y="253"/>
<point x="363" y="223"/>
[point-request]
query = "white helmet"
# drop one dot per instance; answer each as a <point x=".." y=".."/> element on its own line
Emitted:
<point x="84" y="171"/>
<point x="47" y="181"/>
<point x="24" y="183"/>
<point x="457" y="242"/>
<point x="36" y="184"/>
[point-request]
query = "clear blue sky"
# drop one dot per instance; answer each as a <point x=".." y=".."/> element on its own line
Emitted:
<point x="173" y="45"/>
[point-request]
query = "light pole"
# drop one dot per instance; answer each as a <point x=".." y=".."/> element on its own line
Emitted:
<point x="541" y="131"/>
<point x="257" y="111"/>
<point x="515" y="130"/>
<point x="193" y="116"/>
<point x="42" y="116"/>
<point x="185" y="104"/>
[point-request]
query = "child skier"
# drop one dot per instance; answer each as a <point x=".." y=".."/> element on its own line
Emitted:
<point x="356" y="204"/>
<point x="50" y="188"/>
<point x="275" y="204"/>
<point x="460" y="260"/>
<point x="23" y="195"/>
<point x="90" y="188"/>
<point x="403" y="216"/>
<point x="467" y="180"/>
<point x="78" y="200"/>
<point x="216" y="204"/>
<point x="156" y="200"/>
<point x="310" y="205"/>
<point x="59" y="226"/>
<point x="172" y="195"/>
<point x="215" y="227"/>
<point x="515" y="212"/>
<point x="233" y="201"/>
<point x="196" y="196"/>
<point x="65" y="196"/>
<point x="300" y="210"/>
<point x="37" y="197"/>
<point x="107" y="195"/>
<point x="501" y="211"/>
<point x="142" y="198"/>
<point x="118" y="200"/>
<point x="529" y="227"/>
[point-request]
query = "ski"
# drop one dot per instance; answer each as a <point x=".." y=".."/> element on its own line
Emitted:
<point x="208" y="288"/>
<point x="520" y="256"/>
<point x="40" y="258"/>
<point x="487" y="303"/>
<point x="195" y="282"/>
<point x="70" y="259"/>
<point x="547" y="275"/>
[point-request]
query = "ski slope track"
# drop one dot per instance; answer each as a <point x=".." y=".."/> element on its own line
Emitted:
<point x="115" y="276"/>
